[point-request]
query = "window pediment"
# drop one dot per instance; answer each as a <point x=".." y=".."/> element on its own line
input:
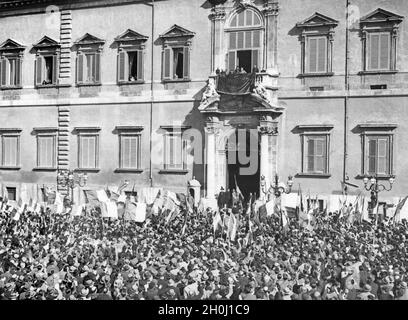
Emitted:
<point x="46" y="43"/>
<point x="130" y="35"/>
<point x="381" y="16"/>
<point x="11" y="45"/>
<point x="317" y="20"/>
<point x="176" y="32"/>
<point x="89" y="41"/>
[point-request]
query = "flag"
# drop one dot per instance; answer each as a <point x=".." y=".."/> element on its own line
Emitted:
<point x="364" y="209"/>
<point x="102" y="196"/>
<point x="270" y="207"/>
<point x="237" y="188"/>
<point x="140" y="212"/>
<point x="59" y="203"/>
<point x="232" y="227"/>
<point x="217" y="221"/>
<point x="285" y="220"/>
<point x="76" y="210"/>
<point x="130" y="211"/>
<point x="401" y="211"/>
<point x="91" y="198"/>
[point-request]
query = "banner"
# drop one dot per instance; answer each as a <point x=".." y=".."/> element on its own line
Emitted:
<point x="236" y="83"/>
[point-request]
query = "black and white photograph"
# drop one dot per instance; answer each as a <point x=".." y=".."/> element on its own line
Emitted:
<point x="221" y="151"/>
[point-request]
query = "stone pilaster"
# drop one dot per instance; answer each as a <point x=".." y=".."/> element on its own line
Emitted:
<point x="63" y="142"/>
<point x="66" y="43"/>
<point x="268" y="153"/>
<point x="211" y="130"/>
<point x="271" y="12"/>
<point x="217" y="18"/>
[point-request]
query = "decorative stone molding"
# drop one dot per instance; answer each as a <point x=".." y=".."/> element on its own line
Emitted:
<point x="218" y="13"/>
<point x="271" y="8"/>
<point x="268" y="130"/>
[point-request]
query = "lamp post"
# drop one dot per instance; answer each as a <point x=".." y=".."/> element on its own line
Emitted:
<point x="371" y="184"/>
<point x="277" y="189"/>
<point x="68" y="178"/>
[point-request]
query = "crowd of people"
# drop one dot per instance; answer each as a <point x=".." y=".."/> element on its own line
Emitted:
<point x="45" y="256"/>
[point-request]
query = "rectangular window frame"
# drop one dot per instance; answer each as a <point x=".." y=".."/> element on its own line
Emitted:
<point x="307" y="55"/>
<point x="5" y="63"/>
<point x="46" y="133"/>
<point x="366" y="137"/>
<point x="171" y="132"/>
<point x="88" y="132"/>
<point x="369" y="53"/>
<point x="82" y="63"/>
<point x="326" y="137"/>
<point x="168" y="53"/>
<point x="12" y="133"/>
<point x="130" y="131"/>
<point x="40" y="64"/>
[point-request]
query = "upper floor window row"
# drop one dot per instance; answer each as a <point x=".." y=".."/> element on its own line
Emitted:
<point x="130" y="59"/>
<point x="379" y="31"/>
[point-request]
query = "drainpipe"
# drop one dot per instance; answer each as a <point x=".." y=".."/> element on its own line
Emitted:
<point x="346" y="97"/>
<point x="151" y="97"/>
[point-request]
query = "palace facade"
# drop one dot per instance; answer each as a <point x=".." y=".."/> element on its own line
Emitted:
<point x="113" y="88"/>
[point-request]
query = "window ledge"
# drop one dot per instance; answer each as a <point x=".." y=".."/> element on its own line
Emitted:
<point x="121" y="170"/>
<point x="44" y="169"/>
<point x="379" y="177"/>
<point x="131" y="83"/>
<point x="374" y="72"/>
<point x="311" y="75"/>
<point x="11" y="87"/>
<point x="10" y="167"/>
<point x="175" y="80"/>
<point x="87" y="170"/>
<point x="46" y="86"/>
<point x="89" y="84"/>
<point x="173" y="171"/>
<point x="313" y="175"/>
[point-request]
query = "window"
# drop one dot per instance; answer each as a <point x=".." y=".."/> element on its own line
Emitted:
<point x="176" y="54"/>
<point x="10" y="148"/>
<point x="130" y="66"/>
<point x="175" y="149"/>
<point x="10" y="72"/>
<point x="11" y="57"/>
<point x="131" y="56"/>
<point x="46" y="63"/>
<point x="315" y="154"/>
<point x="379" y="51"/>
<point x="46" y="148"/>
<point x="379" y="34"/>
<point x="315" y="142"/>
<point x="377" y="155"/>
<point x="11" y="193"/>
<point x="316" y="55"/>
<point x="88" y="148"/>
<point x="129" y="148"/>
<point x="88" y="68"/>
<point x="245" y="42"/>
<point x="377" y="149"/>
<point x="89" y="60"/>
<point x="316" y="36"/>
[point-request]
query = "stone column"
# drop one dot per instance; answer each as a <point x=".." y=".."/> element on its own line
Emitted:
<point x="217" y="17"/>
<point x="266" y="130"/>
<point x="211" y="131"/>
<point x="271" y="12"/>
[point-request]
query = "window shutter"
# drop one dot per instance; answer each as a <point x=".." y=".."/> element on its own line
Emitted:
<point x="231" y="61"/>
<point x="374" y="51"/>
<point x="38" y="70"/>
<point x="322" y="55"/>
<point x="121" y="66"/>
<point x="97" y="65"/>
<point x="312" y="55"/>
<point x="2" y="71"/>
<point x="10" y="151"/>
<point x="166" y="63"/>
<point x="19" y="62"/>
<point x="80" y="68"/>
<point x="382" y="156"/>
<point x="55" y="71"/>
<point x="255" y="59"/>
<point x="385" y="51"/>
<point x="140" y="65"/>
<point x="372" y="155"/>
<point x="186" y="63"/>
<point x="320" y="149"/>
<point x="233" y="40"/>
<point x="310" y="155"/>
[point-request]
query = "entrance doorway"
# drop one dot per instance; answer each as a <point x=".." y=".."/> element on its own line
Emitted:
<point x="245" y="60"/>
<point x="243" y="163"/>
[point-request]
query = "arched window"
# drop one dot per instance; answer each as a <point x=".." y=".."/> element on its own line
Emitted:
<point x="245" y="43"/>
